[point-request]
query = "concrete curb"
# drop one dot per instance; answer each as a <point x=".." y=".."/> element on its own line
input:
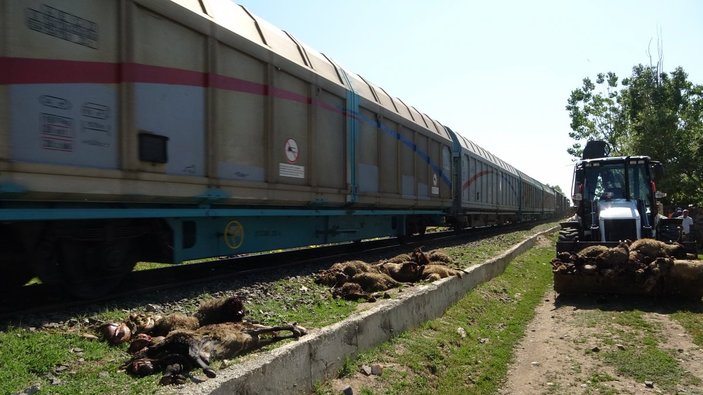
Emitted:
<point x="296" y="366"/>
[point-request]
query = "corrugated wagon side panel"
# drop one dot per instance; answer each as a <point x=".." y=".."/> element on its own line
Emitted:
<point x="329" y="145"/>
<point x="422" y="160"/>
<point x="61" y="82"/>
<point x="407" y="164"/>
<point x="368" y="152"/>
<point x="389" y="158"/>
<point x="291" y="129"/>
<point x="169" y="79"/>
<point x="240" y="122"/>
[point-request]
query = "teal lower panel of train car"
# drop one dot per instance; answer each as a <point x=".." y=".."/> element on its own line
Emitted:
<point x="204" y="237"/>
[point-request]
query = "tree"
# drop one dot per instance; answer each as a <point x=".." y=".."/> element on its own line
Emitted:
<point x="596" y="113"/>
<point x="665" y="116"/>
<point x="651" y="113"/>
<point x="556" y="188"/>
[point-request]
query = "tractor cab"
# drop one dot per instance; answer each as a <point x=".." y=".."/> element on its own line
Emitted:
<point x="616" y="198"/>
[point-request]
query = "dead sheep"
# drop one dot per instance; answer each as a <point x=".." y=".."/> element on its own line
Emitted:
<point x="655" y="248"/>
<point x="374" y="282"/>
<point x="591" y="252"/>
<point x="230" y="309"/>
<point x="220" y="310"/>
<point x="331" y="277"/>
<point x="352" y="268"/>
<point x="352" y="291"/>
<point x="181" y="351"/>
<point x="685" y="278"/>
<point x="406" y="272"/>
<point x="614" y="257"/>
<point x="439" y="256"/>
<point x="420" y="257"/>
<point x="436" y="272"/>
<point x="400" y="258"/>
<point x="172" y="322"/>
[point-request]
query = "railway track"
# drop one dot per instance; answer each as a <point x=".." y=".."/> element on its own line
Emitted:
<point x="41" y="299"/>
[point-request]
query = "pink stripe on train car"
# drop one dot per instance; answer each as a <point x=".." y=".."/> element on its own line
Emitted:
<point x="44" y="71"/>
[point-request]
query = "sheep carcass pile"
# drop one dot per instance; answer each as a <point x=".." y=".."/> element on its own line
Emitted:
<point x="646" y="266"/>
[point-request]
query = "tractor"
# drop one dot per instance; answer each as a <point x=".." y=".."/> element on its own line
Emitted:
<point x="616" y="209"/>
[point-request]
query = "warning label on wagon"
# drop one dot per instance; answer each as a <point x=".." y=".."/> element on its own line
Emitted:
<point x="292" y="171"/>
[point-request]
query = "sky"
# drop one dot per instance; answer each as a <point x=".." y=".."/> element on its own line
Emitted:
<point x="497" y="72"/>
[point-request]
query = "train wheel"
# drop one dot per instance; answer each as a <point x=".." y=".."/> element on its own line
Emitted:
<point x="15" y="274"/>
<point x="415" y="228"/>
<point x="92" y="269"/>
<point x="13" y="260"/>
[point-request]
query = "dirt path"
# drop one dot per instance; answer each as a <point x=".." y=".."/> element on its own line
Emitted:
<point x="559" y="352"/>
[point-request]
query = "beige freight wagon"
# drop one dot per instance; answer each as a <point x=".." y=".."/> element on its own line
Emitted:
<point x="180" y="129"/>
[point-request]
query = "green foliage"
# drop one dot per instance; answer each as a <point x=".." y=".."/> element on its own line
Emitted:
<point x="651" y="113"/>
<point x="595" y="113"/>
<point x="348" y="368"/>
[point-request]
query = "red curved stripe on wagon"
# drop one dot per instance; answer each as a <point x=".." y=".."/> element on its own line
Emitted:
<point x="475" y="177"/>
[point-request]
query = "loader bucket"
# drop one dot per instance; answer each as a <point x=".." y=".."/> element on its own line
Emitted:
<point x="683" y="279"/>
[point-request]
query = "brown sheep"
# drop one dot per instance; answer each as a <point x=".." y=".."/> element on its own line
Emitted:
<point x="400" y="258"/>
<point x="655" y="248"/>
<point x="374" y="282"/>
<point x="142" y="322"/>
<point x="420" y="257"/>
<point x="330" y="277"/>
<point x="172" y="322"/>
<point x="352" y="291"/>
<point x="591" y="252"/>
<point x="406" y="272"/>
<point x="352" y="268"/>
<point x="614" y="257"/>
<point x="439" y="256"/>
<point x="435" y="272"/>
<point x="182" y="351"/>
<point x="216" y="311"/>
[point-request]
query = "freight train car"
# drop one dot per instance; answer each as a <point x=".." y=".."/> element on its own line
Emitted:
<point x="487" y="189"/>
<point x="170" y="130"/>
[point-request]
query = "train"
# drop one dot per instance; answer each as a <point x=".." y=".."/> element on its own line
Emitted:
<point x="166" y="131"/>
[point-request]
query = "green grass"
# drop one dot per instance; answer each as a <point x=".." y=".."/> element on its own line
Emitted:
<point x="435" y="359"/>
<point x="64" y="364"/>
<point x="302" y="304"/>
<point x="692" y="322"/>
<point x="641" y="356"/>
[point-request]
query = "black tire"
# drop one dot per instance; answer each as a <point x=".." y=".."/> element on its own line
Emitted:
<point x="13" y="261"/>
<point x="568" y="233"/>
<point x="96" y="268"/>
<point x="16" y="273"/>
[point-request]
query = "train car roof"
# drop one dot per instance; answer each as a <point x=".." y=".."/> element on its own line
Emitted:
<point x="239" y="20"/>
<point x="479" y="151"/>
<point x="531" y="180"/>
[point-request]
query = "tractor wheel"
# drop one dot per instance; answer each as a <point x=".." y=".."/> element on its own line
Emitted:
<point x="568" y="233"/>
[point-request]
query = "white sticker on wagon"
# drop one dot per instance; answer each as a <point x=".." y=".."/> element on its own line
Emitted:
<point x="293" y="171"/>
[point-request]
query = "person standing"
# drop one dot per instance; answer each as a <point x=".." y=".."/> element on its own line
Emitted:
<point x="686" y="224"/>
